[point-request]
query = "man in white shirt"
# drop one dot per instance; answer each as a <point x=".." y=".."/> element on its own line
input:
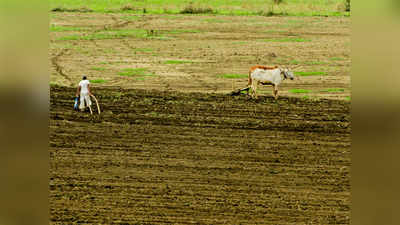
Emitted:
<point x="84" y="92"/>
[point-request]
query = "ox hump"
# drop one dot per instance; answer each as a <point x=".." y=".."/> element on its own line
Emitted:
<point x="263" y="68"/>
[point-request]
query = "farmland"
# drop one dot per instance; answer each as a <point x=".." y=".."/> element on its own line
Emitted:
<point x="168" y="157"/>
<point x="171" y="146"/>
<point x="200" y="53"/>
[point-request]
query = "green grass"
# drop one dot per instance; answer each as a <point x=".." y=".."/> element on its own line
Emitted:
<point x="52" y="84"/>
<point x="314" y="63"/>
<point x="287" y="40"/>
<point x="224" y="7"/>
<point x="98" y="81"/>
<point x="98" y="68"/>
<point x="54" y="28"/>
<point x="337" y="59"/>
<point x="348" y="98"/>
<point x="139" y="72"/>
<point x="333" y="90"/>
<point x="294" y="62"/>
<point x="143" y="50"/>
<point x="240" y="42"/>
<point x="233" y="76"/>
<point x="299" y="91"/>
<point x="303" y="74"/>
<point x="177" y="62"/>
<point x="111" y="34"/>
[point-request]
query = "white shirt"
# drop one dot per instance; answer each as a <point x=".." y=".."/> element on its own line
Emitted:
<point x="84" y="86"/>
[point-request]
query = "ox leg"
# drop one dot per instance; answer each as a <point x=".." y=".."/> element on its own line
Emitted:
<point x="255" y="90"/>
<point x="275" y="91"/>
<point x="252" y="89"/>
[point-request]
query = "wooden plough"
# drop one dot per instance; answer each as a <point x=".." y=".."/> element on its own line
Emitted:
<point x="239" y="91"/>
<point x="97" y="103"/>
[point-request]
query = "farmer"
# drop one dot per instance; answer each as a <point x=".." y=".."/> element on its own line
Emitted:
<point x="84" y="91"/>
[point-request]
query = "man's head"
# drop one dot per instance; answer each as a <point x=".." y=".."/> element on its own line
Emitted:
<point x="84" y="78"/>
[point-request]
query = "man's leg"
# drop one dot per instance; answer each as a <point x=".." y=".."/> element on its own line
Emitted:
<point x="82" y="102"/>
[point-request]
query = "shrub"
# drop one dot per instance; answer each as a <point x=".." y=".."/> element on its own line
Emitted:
<point x="61" y="9"/>
<point x="347" y="4"/>
<point x="190" y="9"/>
<point x="128" y="8"/>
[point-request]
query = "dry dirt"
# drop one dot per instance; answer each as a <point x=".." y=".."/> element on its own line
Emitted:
<point x="211" y="45"/>
<point x="155" y="157"/>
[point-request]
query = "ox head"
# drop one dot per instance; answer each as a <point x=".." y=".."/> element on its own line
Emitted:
<point x="287" y="73"/>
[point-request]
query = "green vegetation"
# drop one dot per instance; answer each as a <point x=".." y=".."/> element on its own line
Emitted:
<point x="114" y="34"/>
<point x="98" y="68"/>
<point x="314" y="63"/>
<point x="225" y="7"/>
<point x="348" y="98"/>
<point x="138" y="72"/>
<point x="336" y="59"/>
<point x="177" y="62"/>
<point x="333" y="90"/>
<point x="287" y="40"/>
<point x="143" y="50"/>
<point x="53" y="84"/>
<point x="54" y="28"/>
<point x="107" y="35"/>
<point x="233" y="76"/>
<point x="191" y="9"/>
<point x="310" y="73"/>
<point x="98" y="81"/>
<point x="299" y="91"/>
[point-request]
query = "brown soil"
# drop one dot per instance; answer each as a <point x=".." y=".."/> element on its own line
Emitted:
<point x="155" y="157"/>
<point x="213" y="45"/>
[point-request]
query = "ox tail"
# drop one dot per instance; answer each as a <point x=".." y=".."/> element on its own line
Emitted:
<point x="249" y="82"/>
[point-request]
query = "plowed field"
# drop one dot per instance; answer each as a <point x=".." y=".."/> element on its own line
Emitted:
<point x="195" y="158"/>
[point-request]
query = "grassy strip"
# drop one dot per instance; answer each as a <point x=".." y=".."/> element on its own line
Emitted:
<point x="303" y="74"/>
<point x="107" y="35"/>
<point x="139" y="72"/>
<point x="114" y="34"/>
<point x="98" y="68"/>
<point x="233" y="76"/>
<point x="333" y="90"/>
<point x="54" y="28"/>
<point x="177" y="62"/>
<point x="98" y="81"/>
<point x="337" y="59"/>
<point x="299" y="91"/>
<point x="222" y="7"/>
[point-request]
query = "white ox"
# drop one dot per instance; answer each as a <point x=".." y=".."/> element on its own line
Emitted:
<point x="266" y="75"/>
